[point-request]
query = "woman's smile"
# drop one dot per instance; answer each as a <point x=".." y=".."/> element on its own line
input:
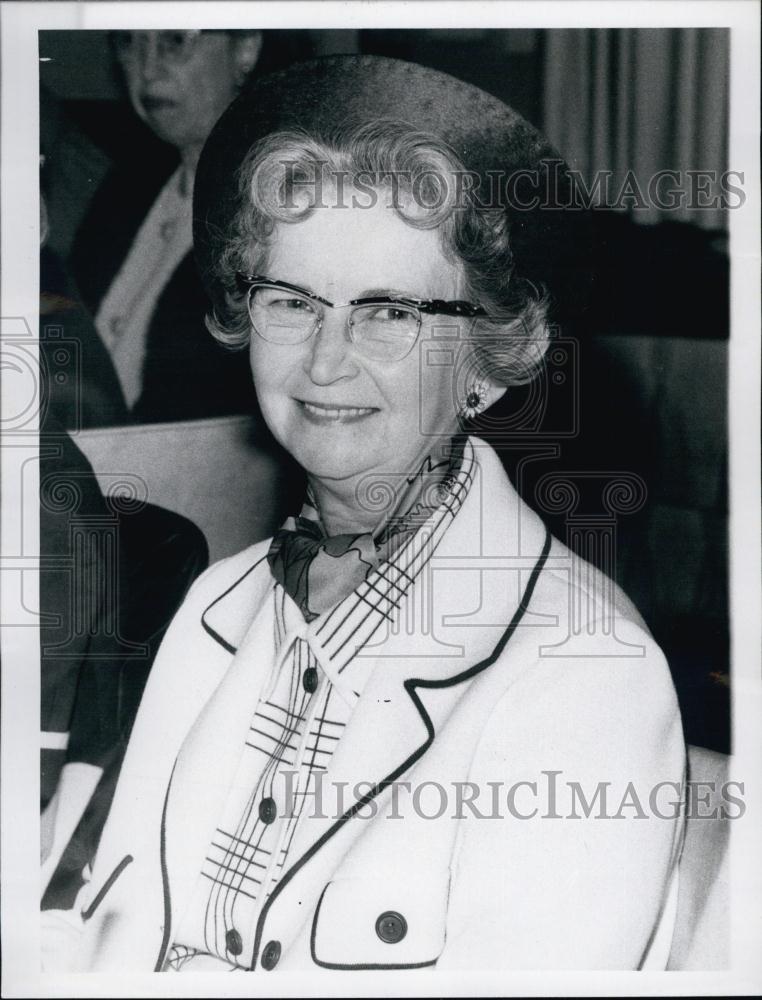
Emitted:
<point x="340" y="414"/>
<point x="324" y="414"/>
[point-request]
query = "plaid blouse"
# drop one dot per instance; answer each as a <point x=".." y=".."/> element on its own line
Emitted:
<point x="313" y="688"/>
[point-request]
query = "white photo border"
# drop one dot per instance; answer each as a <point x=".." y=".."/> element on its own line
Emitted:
<point x="20" y="22"/>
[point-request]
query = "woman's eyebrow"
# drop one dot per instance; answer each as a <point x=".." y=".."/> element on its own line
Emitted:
<point x="300" y="288"/>
<point x="371" y="293"/>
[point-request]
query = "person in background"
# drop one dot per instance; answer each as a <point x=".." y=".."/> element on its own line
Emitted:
<point x="132" y="256"/>
<point x="112" y="574"/>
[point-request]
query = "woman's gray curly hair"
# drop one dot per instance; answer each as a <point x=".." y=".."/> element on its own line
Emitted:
<point x="509" y="341"/>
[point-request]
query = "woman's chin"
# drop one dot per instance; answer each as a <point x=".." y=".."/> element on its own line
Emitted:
<point x="333" y="466"/>
<point x="336" y="450"/>
<point x="336" y="461"/>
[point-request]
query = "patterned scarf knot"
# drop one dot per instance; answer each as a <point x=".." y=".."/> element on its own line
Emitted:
<point x="318" y="571"/>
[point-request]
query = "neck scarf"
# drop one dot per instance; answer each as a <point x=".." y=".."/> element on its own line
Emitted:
<point x="318" y="570"/>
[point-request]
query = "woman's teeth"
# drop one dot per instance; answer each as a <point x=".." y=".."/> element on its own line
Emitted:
<point x="336" y="412"/>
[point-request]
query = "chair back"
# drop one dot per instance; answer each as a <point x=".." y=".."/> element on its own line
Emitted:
<point x="702" y="927"/>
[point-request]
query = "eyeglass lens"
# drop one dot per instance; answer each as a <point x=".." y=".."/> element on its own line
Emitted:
<point x="382" y="331"/>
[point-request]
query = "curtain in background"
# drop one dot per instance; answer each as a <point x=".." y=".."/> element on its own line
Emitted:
<point x="641" y="100"/>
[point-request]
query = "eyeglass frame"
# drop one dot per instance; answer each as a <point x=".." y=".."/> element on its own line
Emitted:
<point x="429" y="307"/>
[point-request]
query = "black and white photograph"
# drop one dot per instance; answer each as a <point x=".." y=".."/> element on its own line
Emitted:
<point x="381" y="600"/>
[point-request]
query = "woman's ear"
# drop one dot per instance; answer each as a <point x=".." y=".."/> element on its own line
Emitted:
<point x="247" y="46"/>
<point x="477" y="395"/>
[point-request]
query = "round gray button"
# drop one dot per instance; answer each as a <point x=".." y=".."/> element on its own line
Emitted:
<point x="391" y="927"/>
<point x="233" y="942"/>
<point x="268" y="810"/>
<point x="271" y="955"/>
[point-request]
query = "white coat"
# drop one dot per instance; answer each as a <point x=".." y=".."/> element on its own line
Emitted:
<point x="509" y="664"/>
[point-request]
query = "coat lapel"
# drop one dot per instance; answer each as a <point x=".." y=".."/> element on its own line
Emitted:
<point x="420" y="665"/>
<point x="210" y="753"/>
<point x="227" y="618"/>
<point x="476" y="577"/>
<point x="419" y="662"/>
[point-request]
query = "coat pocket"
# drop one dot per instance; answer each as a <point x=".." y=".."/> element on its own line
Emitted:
<point x="381" y="921"/>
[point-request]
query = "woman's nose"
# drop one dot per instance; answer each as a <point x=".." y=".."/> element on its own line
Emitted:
<point x="330" y="357"/>
<point x="152" y="65"/>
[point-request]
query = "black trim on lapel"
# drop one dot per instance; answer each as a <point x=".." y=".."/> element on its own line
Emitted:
<point x="100" y="896"/>
<point x="410" y="685"/>
<point x="167" y="931"/>
<point x="207" y="627"/>
<point x="165" y="942"/>
<point x="353" y="966"/>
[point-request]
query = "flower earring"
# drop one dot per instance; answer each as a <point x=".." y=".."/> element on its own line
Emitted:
<point x="473" y="404"/>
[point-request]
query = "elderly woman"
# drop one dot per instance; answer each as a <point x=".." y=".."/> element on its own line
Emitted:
<point x="388" y="738"/>
<point x="133" y="256"/>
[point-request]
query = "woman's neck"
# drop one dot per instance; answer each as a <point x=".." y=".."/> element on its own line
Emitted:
<point x="188" y="162"/>
<point x="350" y="506"/>
<point x="340" y="512"/>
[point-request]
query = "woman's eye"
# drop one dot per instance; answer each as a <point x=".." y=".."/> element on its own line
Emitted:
<point x="125" y="40"/>
<point x="390" y="314"/>
<point x="174" y="41"/>
<point x="290" y="305"/>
